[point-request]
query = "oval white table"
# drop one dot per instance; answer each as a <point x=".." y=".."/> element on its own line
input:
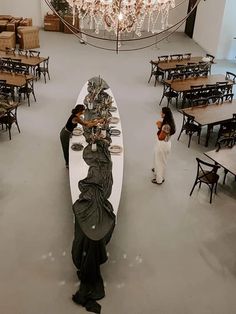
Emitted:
<point x="78" y="169"/>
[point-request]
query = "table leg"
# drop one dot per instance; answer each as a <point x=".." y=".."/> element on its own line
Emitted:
<point x="225" y="174"/>
<point x="209" y="128"/>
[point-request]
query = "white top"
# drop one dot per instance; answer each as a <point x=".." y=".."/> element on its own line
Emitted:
<point x="78" y="169"/>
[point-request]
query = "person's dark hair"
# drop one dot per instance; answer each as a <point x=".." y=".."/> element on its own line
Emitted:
<point x="78" y="108"/>
<point x="168" y="119"/>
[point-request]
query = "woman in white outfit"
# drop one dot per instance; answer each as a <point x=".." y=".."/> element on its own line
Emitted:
<point x="166" y="128"/>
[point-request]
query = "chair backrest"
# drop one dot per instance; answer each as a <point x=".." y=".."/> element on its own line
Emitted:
<point x="163" y="58"/>
<point x="227" y="97"/>
<point x="214" y="100"/>
<point x="211" y="57"/>
<point x="178" y="56"/>
<point x="230" y="76"/>
<point x="10" y="50"/>
<point x="34" y="53"/>
<point x="223" y="87"/>
<point x="189" y="74"/>
<point x="187" y="56"/>
<point x="22" y="52"/>
<point x="2" y="82"/>
<point x="23" y="69"/>
<point x="45" y="64"/>
<point x="199" y="101"/>
<point x="187" y="118"/>
<point x="228" y="142"/>
<point x="202" y="73"/>
<point x="180" y="65"/>
<point x="178" y="76"/>
<point x="196" y="87"/>
<point x="204" y="169"/>
<point x="6" y="60"/>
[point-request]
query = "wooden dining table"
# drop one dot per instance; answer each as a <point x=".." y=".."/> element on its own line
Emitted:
<point x="226" y="158"/>
<point x="171" y="64"/>
<point x="15" y="79"/>
<point x="212" y="114"/>
<point x="25" y="60"/>
<point x="182" y="86"/>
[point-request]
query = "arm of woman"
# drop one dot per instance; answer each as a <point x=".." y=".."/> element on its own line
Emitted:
<point x="165" y="131"/>
<point x="158" y="124"/>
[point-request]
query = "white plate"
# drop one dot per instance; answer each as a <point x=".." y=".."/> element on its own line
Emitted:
<point x="114" y="120"/>
<point x="78" y="131"/>
<point x="77" y="146"/>
<point x="115" y="149"/>
<point x="112" y="109"/>
<point x="115" y="132"/>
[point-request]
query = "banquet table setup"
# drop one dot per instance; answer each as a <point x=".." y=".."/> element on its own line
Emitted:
<point x="96" y="172"/>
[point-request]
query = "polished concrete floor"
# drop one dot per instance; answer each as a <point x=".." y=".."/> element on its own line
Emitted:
<point x="169" y="254"/>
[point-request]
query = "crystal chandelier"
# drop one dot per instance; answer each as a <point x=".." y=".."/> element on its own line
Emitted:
<point x="122" y="16"/>
<point x="137" y="24"/>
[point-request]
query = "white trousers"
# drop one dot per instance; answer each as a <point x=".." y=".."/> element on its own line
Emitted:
<point x="161" y="151"/>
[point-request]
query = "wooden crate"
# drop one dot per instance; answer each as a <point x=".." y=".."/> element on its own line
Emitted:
<point x="69" y="19"/>
<point x="7" y="40"/>
<point x="52" y="23"/>
<point x="29" y="37"/>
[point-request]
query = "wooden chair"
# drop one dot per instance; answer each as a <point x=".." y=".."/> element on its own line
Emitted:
<point x="169" y="94"/>
<point x="26" y="90"/>
<point x="22" y="52"/>
<point x="194" y="93"/>
<point x="227" y="97"/>
<point x="232" y="77"/>
<point x="207" y="174"/>
<point x="9" y="118"/>
<point x="227" y="129"/>
<point x="187" y="56"/>
<point x="10" y="51"/>
<point x="33" y="53"/>
<point x="177" y="76"/>
<point x="222" y="88"/>
<point x="211" y="58"/>
<point x="178" y="57"/>
<point x="155" y="72"/>
<point x="163" y="58"/>
<point x="44" y="69"/>
<point x="190" y="127"/>
<point x="228" y="142"/>
<point x="202" y="101"/>
<point x="214" y="100"/>
<point x="7" y="90"/>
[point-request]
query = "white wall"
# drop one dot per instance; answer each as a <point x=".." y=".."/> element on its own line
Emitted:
<point x="24" y="8"/>
<point x="215" y="27"/>
<point x="226" y="44"/>
<point x="208" y="24"/>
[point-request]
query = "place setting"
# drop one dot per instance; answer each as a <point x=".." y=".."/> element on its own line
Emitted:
<point x="115" y="149"/>
<point x="77" y="146"/>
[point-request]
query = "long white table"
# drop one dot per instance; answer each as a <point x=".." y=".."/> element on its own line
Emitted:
<point x="78" y="169"/>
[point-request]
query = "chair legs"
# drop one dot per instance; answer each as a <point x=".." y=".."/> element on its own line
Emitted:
<point x="190" y="137"/>
<point x="212" y="187"/>
<point x="9" y="129"/>
<point x="195" y="183"/>
<point x="150" y="78"/>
